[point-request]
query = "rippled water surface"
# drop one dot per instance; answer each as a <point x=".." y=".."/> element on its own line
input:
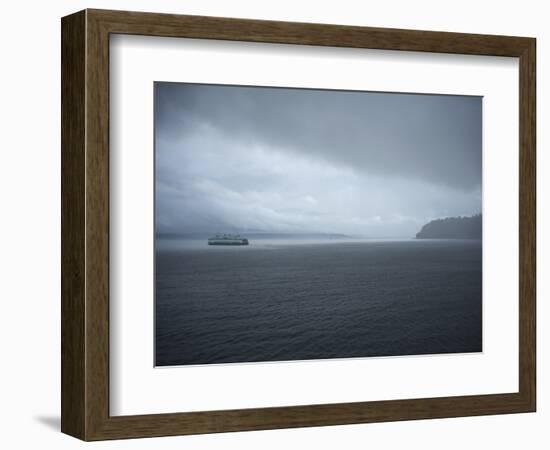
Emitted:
<point x="279" y="300"/>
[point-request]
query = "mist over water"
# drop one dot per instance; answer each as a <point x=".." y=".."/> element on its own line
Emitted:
<point x="243" y="158"/>
<point x="178" y="243"/>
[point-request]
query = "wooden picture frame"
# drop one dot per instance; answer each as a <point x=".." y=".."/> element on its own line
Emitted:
<point x="85" y="224"/>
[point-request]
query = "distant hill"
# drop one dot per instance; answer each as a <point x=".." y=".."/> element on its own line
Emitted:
<point x="452" y="228"/>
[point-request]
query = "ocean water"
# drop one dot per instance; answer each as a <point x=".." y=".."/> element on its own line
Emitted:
<point x="278" y="300"/>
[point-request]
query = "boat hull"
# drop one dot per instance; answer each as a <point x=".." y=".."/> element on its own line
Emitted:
<point x="228" y="242"/>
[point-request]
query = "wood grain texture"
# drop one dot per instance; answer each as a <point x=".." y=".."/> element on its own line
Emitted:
<point x="85" y="224"/>
<point x="73" y="225"/>
<point x="151" y="24"/>
<point x="527" y="224"/>
<point x="97" y="226"/>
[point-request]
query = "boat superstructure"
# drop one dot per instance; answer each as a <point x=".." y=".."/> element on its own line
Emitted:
<point x="227" y="239"/>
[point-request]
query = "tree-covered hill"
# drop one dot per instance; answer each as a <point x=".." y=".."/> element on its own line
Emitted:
<point x="452" y="228"/>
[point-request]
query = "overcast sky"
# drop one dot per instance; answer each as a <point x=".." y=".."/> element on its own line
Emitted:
<point x="243" y="159"/>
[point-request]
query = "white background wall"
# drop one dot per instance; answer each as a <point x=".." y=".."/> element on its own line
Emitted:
<point x="30" y="221"/>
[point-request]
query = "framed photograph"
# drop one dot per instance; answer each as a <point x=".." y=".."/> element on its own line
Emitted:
<point x="272" y="225"/>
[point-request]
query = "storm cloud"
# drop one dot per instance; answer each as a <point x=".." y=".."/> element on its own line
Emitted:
<point x="232" y="158"/>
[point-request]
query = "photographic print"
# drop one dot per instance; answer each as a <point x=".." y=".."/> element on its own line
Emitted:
<point x="304" y="224"/>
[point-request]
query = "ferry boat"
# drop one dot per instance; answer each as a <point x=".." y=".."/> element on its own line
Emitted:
<point x="227" y="239"/>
